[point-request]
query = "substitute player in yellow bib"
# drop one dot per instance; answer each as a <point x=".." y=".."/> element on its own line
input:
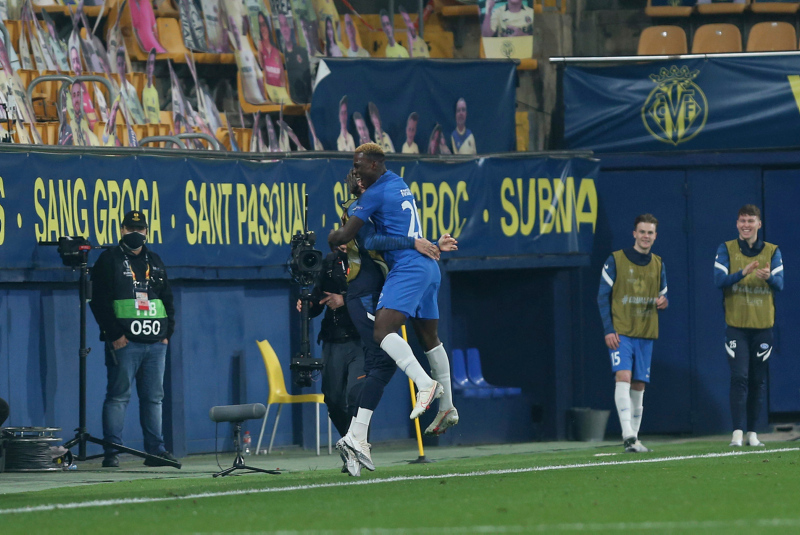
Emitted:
<point x="749" y="271"/>
<point x="633" y="288"/>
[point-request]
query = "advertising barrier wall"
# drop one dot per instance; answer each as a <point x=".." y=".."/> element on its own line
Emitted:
<point x="691" y="104"/>
<point x="240" y="214"/>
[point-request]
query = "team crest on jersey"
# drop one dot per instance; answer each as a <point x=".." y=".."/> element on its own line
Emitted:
<point x="676" y="109"/>
<point x="764" y="346"/>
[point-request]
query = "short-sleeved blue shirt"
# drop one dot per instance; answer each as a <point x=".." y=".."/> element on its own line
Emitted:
<point x="390" y="205"/>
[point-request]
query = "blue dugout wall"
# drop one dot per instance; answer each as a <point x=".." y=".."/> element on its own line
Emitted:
<point x="522" y="289"/>
<point x="696" y="197"/>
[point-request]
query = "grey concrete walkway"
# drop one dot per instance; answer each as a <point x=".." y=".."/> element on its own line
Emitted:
<point x="298" y="460"/>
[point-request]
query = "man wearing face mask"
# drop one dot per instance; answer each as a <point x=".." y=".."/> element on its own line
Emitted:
<point x="132" y="303"/>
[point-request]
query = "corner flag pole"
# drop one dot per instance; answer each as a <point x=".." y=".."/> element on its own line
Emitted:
<point x="421" y="458"/>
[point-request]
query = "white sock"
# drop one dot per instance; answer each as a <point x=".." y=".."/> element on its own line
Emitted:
<point x="440" y="370"/>
<point x="637" y="407"/>
<point x="401" y="353"/>
<point x="360" y="424"/>
<point x="622" y="398"/>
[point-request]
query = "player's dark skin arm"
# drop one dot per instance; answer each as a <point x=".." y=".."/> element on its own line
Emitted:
<point x="346" y="233"/>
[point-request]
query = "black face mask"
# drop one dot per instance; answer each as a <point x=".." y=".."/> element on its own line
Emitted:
<point x="134" y="240"/>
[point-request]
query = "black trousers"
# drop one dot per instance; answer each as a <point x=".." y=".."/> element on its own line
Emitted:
<point x="748" y="351"/>
<point x="342" y="365"/>
<point x="378" y="366"/>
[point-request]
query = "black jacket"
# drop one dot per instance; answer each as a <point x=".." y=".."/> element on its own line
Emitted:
<point x="336" y="324"/>
<point x="106" y="281"/>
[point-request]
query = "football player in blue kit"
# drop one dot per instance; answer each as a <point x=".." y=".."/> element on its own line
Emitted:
<point x="749" y="271"/>
<point x="633" y="289"/>
<point x="410" y="291"/>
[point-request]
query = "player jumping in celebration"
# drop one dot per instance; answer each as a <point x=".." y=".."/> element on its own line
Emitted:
<point x="410" y="291"/>
<point x="633" y="288"/>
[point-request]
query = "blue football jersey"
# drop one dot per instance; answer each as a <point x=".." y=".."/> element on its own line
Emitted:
<point x="390" y="205"/>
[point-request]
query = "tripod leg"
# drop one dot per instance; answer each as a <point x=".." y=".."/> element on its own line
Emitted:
<point x="124" y="449"/>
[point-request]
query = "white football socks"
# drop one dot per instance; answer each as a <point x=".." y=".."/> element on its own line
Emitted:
<point x="637" y="407"/>
<point x="622" y="398"/>
<point x="440" y="370"/>
<point x="401" y="353"/>
<point x="360" y="424"/>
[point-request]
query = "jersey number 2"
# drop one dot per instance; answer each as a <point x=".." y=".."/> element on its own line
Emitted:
<point x="414" y="226"/>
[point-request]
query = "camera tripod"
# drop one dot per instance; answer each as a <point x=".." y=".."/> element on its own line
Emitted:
<point x="77" y="257"/>
<point x="238" y="463"/>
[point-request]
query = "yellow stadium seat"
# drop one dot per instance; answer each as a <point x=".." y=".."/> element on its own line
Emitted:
<point x="722" y="8"/>
<point x="525" y="64"/>
<point x="14" y="28"/>
<point x="662" y="40"/>
<point x="288" y="109"/>
<point x="667" y="11"/>
<point x="774" y="7"/>
<point x="171" y="38"/>
<point x="523" y="129"/>
<point x="717" y="38"/>
<point x="771" y="37"/>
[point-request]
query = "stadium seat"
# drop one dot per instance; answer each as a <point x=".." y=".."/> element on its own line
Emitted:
<point x="716" y="38"/>
<point x="662" y="40"/>
<point x="460" y="380"/>
<point x="290" y="109"/>
<point x="721" y="7"/>
<point x="91" y="11"/>
<point x="656" y="8"/>
<point x="757" y="6"/>
<point x="171" y="38"/>
<point x="280" y="396"/>
<point x="523" y="130"/>
<point x="771" y="37"/>
<point x="476" y="376"/>
<point x="525" y="64"/>
<point x="14" y="28"/>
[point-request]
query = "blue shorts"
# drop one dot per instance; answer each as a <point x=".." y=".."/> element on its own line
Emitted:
<point x="634" y="354"/>
<point x="413" y="289"/>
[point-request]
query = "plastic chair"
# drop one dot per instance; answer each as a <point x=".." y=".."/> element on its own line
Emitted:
<point x="171" y="38"/>
<point x="476" y="376"/>
<point x="771" y="37"/>
<point x="662" y="40"/>
<point x="669" y="11"/>
<point x="460" y="381"/>
<point x="721" y="8"/>
<point x="757" y="6"/>
<point x="267" y="107"/>
<point x="717" y="38"/>
<point x="278" y="394"/>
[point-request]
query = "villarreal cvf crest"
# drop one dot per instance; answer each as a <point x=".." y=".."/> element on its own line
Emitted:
<point x="676" y="109"/>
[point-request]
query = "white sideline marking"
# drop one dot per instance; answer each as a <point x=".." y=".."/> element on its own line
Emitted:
<point x="127" y="501"/>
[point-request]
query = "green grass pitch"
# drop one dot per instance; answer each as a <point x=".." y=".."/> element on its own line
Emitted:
<point x="694" y="487"/>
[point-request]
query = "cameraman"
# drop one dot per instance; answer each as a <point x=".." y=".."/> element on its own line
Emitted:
<point x="342" y="356"/>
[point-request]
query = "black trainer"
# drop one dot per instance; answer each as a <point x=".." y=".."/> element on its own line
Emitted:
<point x="111" y="462"/>
<point x="628" y="444"/>
<point x="167" y="456"/>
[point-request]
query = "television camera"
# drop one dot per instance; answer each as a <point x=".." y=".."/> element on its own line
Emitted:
<point x="305" y="266"/>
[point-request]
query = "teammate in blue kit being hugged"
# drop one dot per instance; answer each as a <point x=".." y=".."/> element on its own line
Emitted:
<point x="411" y="288"/>
<point x="633" y="288"/>
<point x="749" y="271"/>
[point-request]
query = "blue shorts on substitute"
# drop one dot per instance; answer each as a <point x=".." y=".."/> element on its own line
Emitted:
<point x="634" y="354"/>
<point x="413" y="288"/>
